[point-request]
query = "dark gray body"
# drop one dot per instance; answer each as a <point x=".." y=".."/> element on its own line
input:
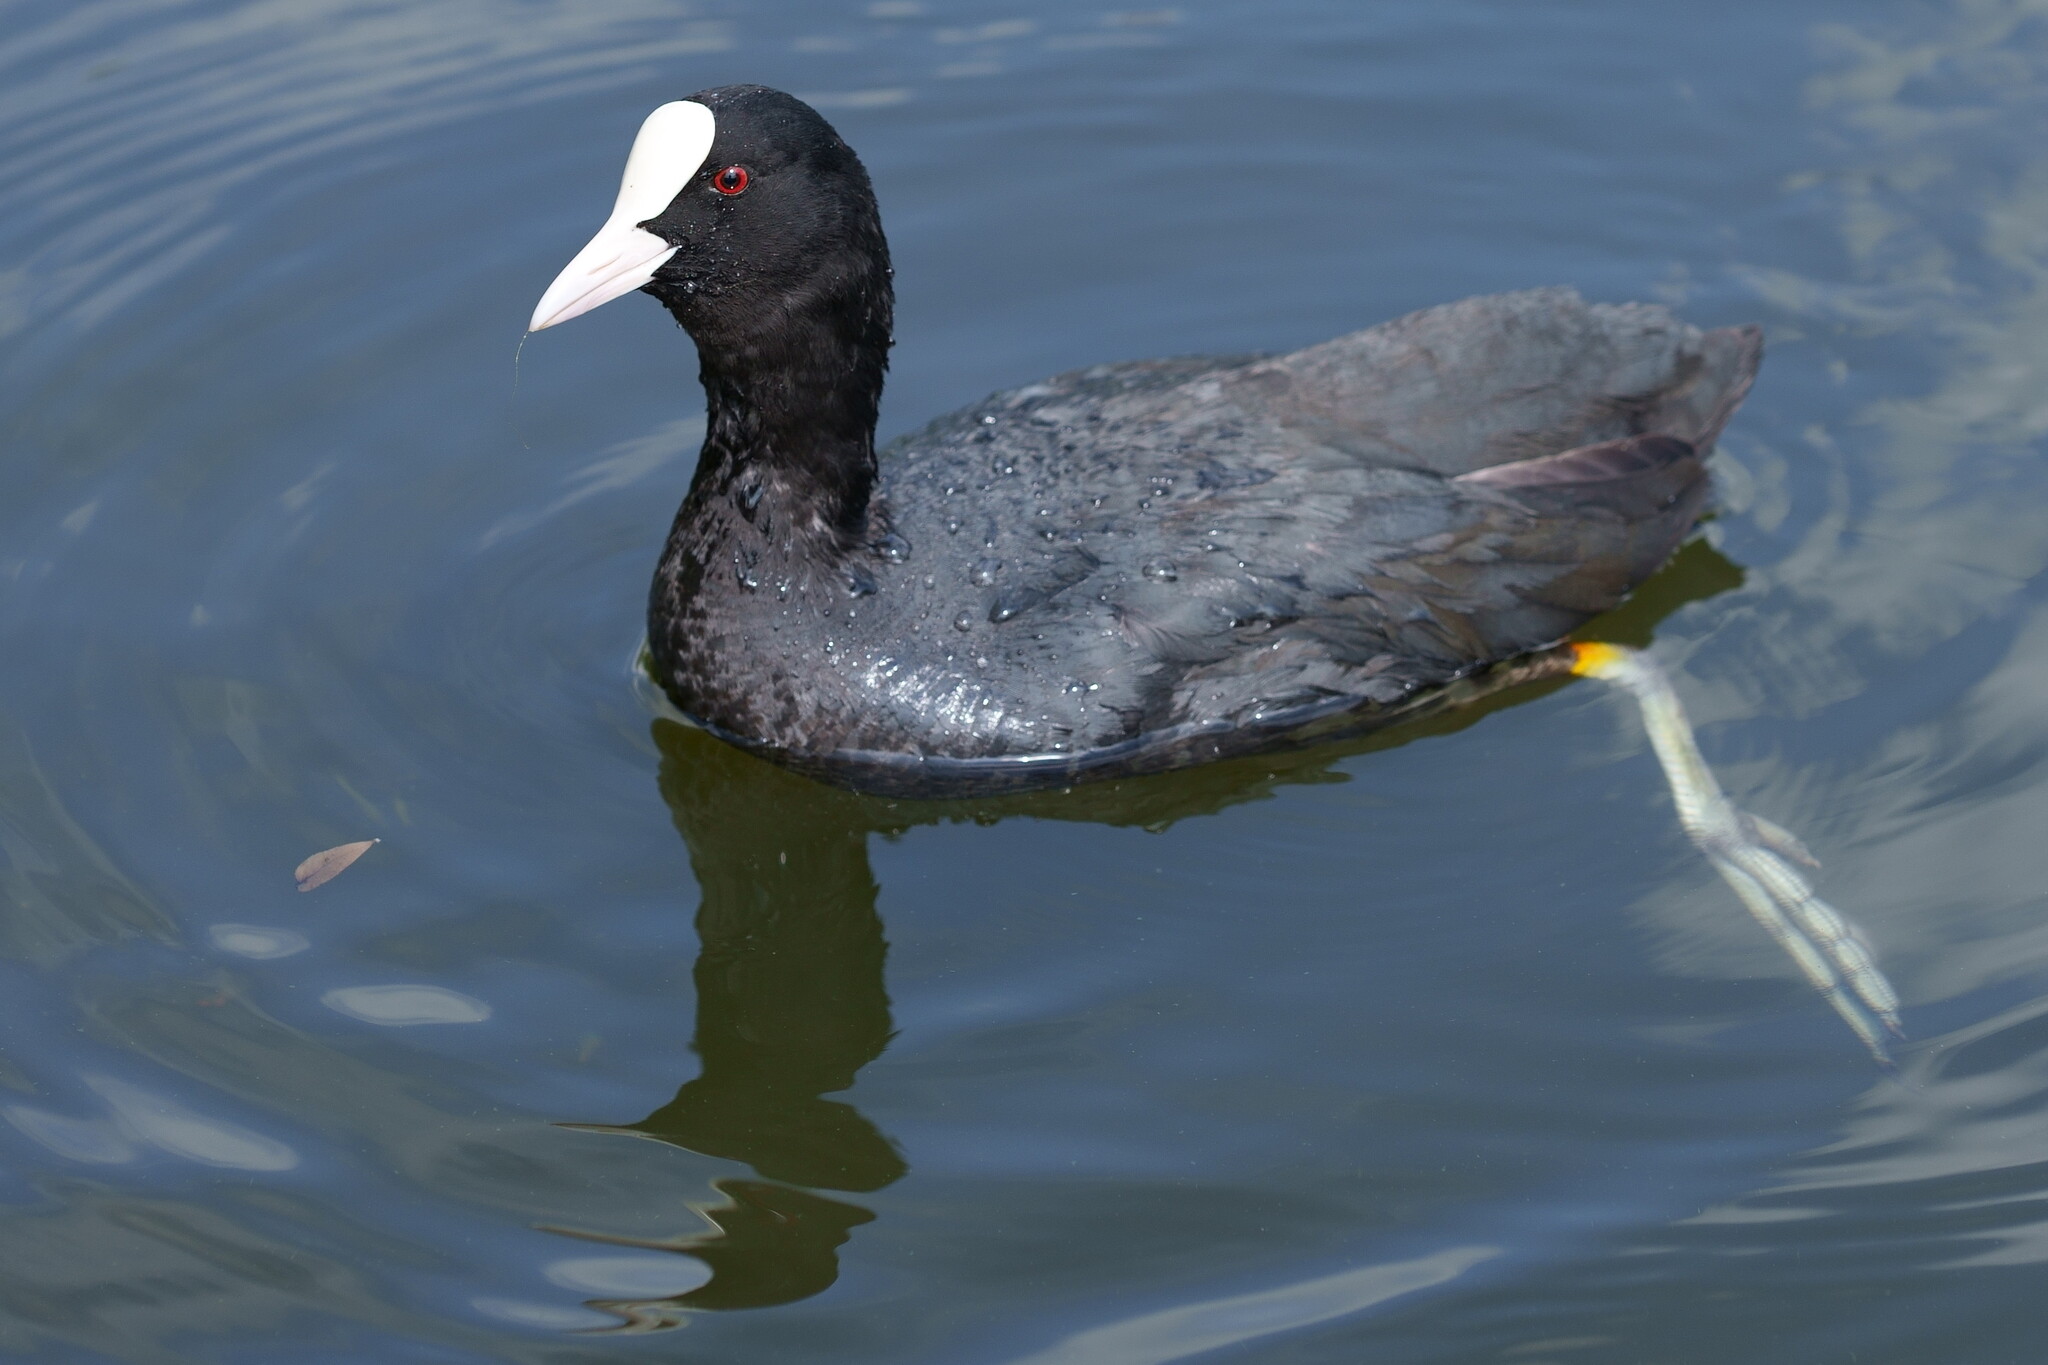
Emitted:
<point x="1141" y="566"/>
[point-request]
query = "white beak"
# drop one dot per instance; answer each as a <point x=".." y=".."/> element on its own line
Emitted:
<point x="671" y="147"/>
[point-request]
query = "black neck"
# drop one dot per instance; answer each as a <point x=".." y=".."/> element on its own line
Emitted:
<point x="791" y="401"/>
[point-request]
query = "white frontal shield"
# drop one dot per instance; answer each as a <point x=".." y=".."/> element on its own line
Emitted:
<point x="672" y="145"/>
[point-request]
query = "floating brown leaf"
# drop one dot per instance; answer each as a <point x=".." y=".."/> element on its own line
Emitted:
<point x="330" y="863"/>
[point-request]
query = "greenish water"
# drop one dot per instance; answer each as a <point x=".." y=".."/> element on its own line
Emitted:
<point x="1442" y="1048"/>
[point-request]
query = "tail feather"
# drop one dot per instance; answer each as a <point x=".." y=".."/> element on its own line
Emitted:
<point x="1602" y="463"/>
<point x="1729" y="359"/>
<point x="1642" y="479"/>
<point x="1618" y="509"/>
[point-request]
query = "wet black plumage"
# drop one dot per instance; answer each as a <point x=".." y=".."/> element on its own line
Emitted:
<point x="1137" y="566"/>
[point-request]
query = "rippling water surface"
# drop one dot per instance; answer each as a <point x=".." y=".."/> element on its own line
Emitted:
<point x="621" y="1046"/>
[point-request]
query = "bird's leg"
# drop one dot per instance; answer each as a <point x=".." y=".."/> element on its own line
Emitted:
<point x="1754" y="856"/>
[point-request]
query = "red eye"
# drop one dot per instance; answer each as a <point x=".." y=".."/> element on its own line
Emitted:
<point x="731" y="180"/>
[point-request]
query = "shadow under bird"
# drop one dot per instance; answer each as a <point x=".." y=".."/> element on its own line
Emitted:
<point x="1141" y="566"/>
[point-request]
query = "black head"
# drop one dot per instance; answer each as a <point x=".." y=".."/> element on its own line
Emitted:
<point x="780" y="218"/>
<point x="742" y="208"/>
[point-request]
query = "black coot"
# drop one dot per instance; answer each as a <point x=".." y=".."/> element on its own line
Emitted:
<point x="1127" y="568"/>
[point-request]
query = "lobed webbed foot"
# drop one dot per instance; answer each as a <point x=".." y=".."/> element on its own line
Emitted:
<point x="1755" y="857"/>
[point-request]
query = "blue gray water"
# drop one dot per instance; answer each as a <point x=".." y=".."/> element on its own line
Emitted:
<point x="619" y="1046"/>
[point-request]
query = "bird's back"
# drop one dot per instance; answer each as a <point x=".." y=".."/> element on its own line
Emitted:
<point x="1128" y="564"/>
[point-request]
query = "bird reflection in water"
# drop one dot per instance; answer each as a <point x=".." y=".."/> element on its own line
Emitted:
<point x="790" y="996"/>
<point x="790" y="1005"/>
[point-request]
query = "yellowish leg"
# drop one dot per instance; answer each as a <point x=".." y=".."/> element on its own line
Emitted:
<point x="1753" y="856"/>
